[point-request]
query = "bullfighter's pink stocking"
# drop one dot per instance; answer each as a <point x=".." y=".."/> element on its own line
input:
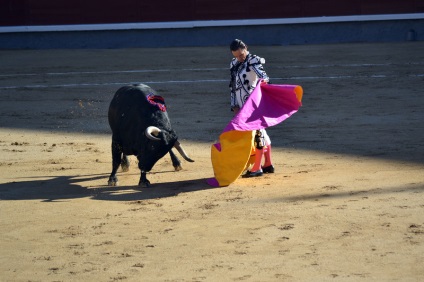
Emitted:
<point x="267" y="154"/>
<point x="258" y="160"/>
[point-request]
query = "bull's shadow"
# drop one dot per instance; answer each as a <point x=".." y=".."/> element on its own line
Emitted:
<point x="63" y="188"/>
<point x="155" y="191"/>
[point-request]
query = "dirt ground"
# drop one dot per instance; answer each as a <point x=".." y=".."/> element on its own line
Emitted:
<point x="346" y="202"/>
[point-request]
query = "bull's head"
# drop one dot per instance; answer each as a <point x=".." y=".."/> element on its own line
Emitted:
<point x="152" y="132"/>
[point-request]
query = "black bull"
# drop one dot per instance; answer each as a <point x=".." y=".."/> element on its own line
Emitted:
<point x="141" y="127"/>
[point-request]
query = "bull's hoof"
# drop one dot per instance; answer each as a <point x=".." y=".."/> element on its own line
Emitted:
<point x="144" y="184"/>
<point x="178" y="168"/>
<point x="113" y="181"/>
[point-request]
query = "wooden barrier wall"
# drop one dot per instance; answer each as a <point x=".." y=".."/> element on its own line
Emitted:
<point x="59" y="12"/>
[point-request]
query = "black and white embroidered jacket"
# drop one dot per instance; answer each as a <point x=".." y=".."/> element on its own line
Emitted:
<point x="244" y="77"/>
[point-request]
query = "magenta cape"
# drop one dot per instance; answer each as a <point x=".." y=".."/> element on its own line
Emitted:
<point x="268" y="105"/>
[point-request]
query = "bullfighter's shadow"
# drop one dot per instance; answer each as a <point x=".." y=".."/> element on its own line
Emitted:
<point x="63" y="188"/>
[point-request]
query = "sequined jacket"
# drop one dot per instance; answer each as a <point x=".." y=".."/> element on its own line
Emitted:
<point x="244" y="77"/>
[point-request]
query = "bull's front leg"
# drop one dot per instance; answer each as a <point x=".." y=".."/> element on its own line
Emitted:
<point x="175" y="161"/>
<point x="144" y="182"/>
<point x="116" y="161"/>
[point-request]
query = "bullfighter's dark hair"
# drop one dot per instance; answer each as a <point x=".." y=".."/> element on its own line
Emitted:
<point x="237" y="44"/>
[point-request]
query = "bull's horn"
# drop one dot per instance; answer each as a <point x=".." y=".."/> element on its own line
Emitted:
<point x="151" y="133"/>
<point x="180" y="149"/>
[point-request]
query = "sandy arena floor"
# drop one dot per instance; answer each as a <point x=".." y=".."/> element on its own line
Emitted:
<point x="346" y="202"/>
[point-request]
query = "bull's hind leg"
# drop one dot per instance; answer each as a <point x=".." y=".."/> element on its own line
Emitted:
<point x="125" y="163"/>
<point x="116" y="161"/>
<point x="175" y="161"/>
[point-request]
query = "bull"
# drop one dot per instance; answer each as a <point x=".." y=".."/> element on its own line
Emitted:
<point x="140" y="126"/>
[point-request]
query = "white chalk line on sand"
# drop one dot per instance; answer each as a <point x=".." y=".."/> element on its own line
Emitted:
<point x="94" y="84"/>
<point x="76" y="85"/>
<point x="201" y="69"/>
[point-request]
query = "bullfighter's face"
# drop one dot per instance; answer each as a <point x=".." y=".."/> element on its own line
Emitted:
<point x="240" y="54"/>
